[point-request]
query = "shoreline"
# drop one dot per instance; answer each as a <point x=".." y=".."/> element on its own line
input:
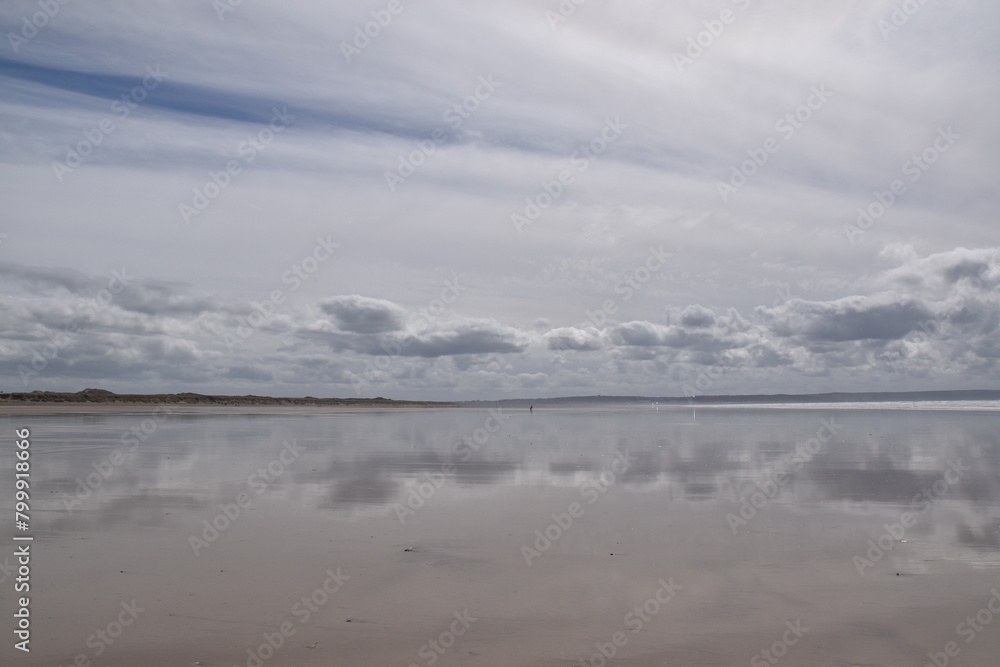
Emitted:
<point x="102" y="401"/>
<point x="80" y="407"/>
<point x="101" y="398"/>
<point x="41" y="407"/>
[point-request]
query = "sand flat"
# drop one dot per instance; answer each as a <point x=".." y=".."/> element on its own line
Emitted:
<point x="341" y="504"/>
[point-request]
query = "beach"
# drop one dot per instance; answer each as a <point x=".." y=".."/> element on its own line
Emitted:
<point x="631" y="536"/>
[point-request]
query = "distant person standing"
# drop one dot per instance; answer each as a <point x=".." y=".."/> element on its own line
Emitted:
<point x="531" y="408"/>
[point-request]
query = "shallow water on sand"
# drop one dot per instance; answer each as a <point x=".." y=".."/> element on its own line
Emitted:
<point x="469" y="537"/>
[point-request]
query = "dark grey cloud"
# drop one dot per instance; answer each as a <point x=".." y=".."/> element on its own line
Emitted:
<point x="851" y="319"/>
<point x="469" y="338"/>
<point x="363" y="315"/>
<point x="697" y="316"/>
<point x="571" y="338"/>
<point x="449" y="338"/>
<point x="648" y="334"/>
<point x="154" y="297"/>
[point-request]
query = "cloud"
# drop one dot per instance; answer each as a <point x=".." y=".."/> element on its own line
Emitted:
<point x="376" y="327"/>
<point x="959" y="270"/>
<point x="484" y="337"/>
<point x="947" y="323"/>
<point x="848" y="319"/>
<point x="39" y="280"/>
<point x="700" y="330"/>
<point x="571" y="338"/>
<point x="697" y="317"/>
<point x="143" y="296"/>
<point x="364" y="315"/>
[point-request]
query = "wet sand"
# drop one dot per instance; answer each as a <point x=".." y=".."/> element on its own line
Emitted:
<point x="418" y="528"/>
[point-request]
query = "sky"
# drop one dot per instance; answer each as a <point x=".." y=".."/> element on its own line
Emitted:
<point x="480" y="200"/>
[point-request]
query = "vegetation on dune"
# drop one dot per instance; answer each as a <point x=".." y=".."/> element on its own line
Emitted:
<point x="104" y="396"/>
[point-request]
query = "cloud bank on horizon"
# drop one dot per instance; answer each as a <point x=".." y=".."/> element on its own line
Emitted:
<point x="483" y="200"/>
